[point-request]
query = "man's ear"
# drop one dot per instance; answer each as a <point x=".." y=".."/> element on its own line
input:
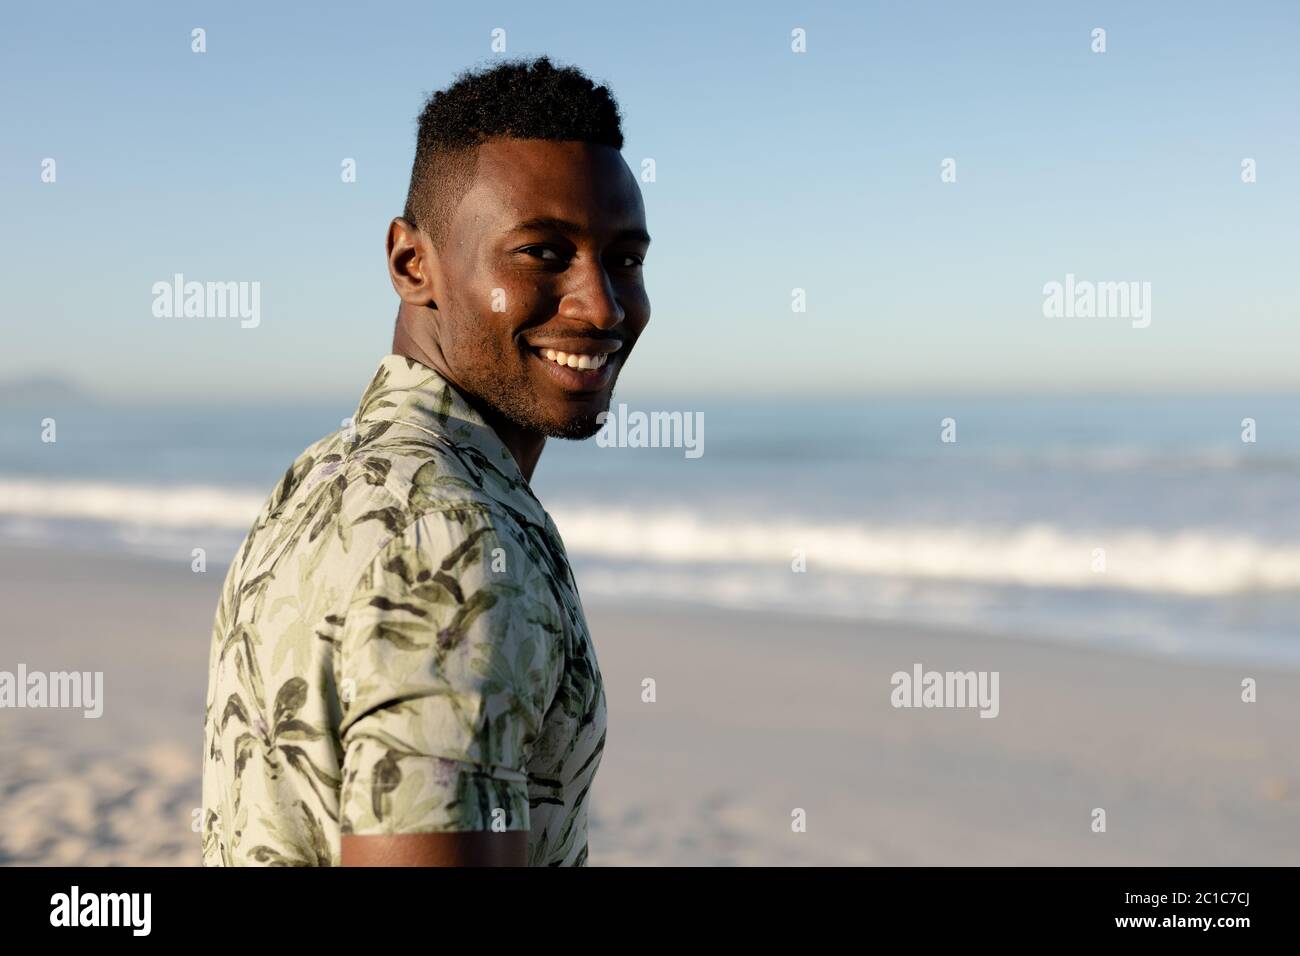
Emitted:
<point x="413" y="264"/>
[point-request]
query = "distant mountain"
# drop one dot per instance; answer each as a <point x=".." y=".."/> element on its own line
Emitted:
<point x="40" y="388"/>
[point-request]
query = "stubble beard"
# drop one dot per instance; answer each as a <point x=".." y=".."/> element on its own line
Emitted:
<point x="522" y="409"/>
<point x="516" y="401"/>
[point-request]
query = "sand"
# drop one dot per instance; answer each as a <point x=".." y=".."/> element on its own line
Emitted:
<point x="755" y="717"/>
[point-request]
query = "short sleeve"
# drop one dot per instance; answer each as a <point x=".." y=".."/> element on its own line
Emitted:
<point x="448" y="663"/>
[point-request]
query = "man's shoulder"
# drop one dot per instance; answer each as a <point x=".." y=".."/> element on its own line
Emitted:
<point x="446" y="507"/>
<point x="408" y="474"/>
<point x="348" y="496"/>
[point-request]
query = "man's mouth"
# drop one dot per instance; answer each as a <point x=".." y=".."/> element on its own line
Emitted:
<point x="574" y="359"/>
<point x="582" y="367"/>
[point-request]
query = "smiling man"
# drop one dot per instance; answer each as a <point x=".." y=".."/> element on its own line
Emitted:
<point x="400" y="670"/>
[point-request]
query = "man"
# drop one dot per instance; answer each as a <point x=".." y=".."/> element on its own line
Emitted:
<point x="400" y="671"/>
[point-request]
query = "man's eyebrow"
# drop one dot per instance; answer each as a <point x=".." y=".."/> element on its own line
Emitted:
<point x="564" y="226"/>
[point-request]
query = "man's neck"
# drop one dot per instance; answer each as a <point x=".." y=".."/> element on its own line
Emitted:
<point x="525" y="446"/>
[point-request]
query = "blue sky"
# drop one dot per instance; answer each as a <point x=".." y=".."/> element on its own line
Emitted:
<point x="775" y="170"/>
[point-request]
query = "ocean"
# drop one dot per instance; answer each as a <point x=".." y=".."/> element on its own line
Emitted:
<point x="1140" y="523"/>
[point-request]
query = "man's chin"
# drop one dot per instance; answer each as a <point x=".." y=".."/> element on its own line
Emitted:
<point x="576" y="428"/>
<point x="563" y="419"/>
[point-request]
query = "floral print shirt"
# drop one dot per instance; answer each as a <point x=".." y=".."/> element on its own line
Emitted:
<point x="400" y="647"/>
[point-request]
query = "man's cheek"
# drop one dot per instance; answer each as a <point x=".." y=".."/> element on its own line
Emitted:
<point x="508" y="303"/>
<point x="498" y="303"/>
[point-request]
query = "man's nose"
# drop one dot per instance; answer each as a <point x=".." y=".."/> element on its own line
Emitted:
<point x="591" y="299"/>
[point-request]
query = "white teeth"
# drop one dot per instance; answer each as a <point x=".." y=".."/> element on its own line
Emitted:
<point x="574" y="360"/>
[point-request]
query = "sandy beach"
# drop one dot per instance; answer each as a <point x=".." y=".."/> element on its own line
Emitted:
<point x="755" y="716"/>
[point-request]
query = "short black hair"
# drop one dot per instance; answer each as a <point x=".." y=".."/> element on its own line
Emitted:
<point x="523" y="99"/>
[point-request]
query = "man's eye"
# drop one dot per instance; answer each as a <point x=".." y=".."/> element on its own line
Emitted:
<point x="629" y="262"/>
<point x="542" y="252"/>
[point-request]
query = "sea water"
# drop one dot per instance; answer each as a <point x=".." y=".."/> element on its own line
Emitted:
<point x="1131" y="521"/>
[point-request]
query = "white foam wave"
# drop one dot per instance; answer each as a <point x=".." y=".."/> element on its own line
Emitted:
<point x="158" y="506"/>
<point x="1192" y="562"/>
<point x="1189" y="562"/>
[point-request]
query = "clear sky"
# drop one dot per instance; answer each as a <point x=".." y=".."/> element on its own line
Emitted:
<point x="775" y="170"/>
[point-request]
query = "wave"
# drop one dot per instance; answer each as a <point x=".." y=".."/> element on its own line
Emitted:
<point x="1189" y="562"/>
<point x="159" y="506"/>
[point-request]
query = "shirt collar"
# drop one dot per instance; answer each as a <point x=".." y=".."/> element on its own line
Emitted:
<point x="405" y="391"/>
